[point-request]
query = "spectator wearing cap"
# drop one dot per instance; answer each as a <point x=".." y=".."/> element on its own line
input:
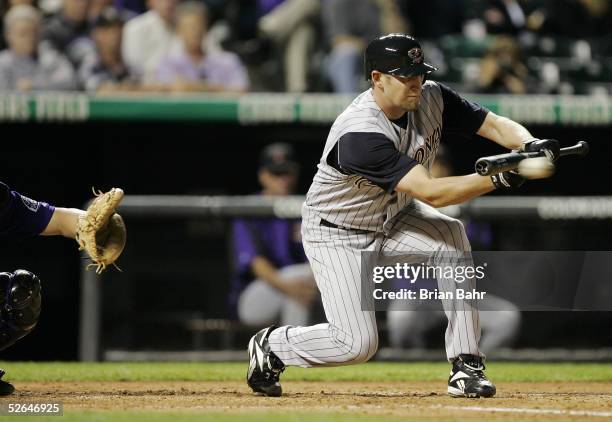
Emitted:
<point x="68" y="31"/>
<point x="105" y="70"/>
<point x="148" y="38"/>
<point x="190" y="68"/>
<point x="269" y="263"/>
<point x="28" y="65"/>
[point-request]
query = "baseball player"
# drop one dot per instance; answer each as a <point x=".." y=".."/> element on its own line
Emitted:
<point x="98" y="230"/>
<point x="373" y="192"/>
<point x="269" y="261"/>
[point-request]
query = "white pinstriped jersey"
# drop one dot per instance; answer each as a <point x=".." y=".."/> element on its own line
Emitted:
<point x="352" y="201"/>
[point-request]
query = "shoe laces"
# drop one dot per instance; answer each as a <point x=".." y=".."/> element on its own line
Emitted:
<point x="276" y="367"/>
<point x="476" y="370"/>
<point x="476" y="366"/>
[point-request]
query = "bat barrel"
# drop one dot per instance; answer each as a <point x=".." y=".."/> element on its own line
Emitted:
<point x="494" y="164"/>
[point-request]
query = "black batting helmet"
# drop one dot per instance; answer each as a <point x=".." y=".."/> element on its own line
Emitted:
<point x="396" y="54"/>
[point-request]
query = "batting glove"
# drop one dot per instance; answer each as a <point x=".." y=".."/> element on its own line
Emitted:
<point x="507" y="180"/>
<point x="550" y="147"/>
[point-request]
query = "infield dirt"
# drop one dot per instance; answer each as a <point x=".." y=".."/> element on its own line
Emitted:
<point x="427" y="400"/>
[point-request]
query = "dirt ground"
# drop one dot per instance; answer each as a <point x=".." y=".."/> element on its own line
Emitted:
<point x="514" y="401"/>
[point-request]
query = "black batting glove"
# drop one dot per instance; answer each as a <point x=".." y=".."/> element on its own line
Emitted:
<point x="550" y="147"/>
<point x="507" y="180"/>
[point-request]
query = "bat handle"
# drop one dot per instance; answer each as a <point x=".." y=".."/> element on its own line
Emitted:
<point x="581" y="149"/>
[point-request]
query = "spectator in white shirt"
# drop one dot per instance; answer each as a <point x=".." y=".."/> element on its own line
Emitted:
<point x="191" y="68"/>
<point x="148" y="37"/>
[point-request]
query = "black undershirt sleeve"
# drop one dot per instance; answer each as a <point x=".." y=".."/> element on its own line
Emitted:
<point x="372" y="156"/>
<point x="460" y="116"/>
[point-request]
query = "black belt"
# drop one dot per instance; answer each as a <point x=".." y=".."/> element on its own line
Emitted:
<point x="326" y="223"/>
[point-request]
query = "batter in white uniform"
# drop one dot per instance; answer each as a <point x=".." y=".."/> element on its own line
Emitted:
<point x="373" y="192"/>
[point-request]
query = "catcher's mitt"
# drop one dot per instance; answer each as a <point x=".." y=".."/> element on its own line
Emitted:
<point x="101" y="232"/>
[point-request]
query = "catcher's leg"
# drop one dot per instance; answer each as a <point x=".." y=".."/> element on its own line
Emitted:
<point x="20" y="303"/>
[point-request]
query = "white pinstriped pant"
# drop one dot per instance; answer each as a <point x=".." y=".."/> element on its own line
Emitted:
<point x="350" y="335"/>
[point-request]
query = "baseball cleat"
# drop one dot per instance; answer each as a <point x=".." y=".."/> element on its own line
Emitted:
<point x="467" y="378"/>
<point x="6" y="388"/>
<point x="264" y="366"/>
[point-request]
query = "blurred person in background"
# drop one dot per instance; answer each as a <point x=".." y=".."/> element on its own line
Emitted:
<point x="410" y="322"/>
<point x="504" y="17"/>
<point x="189" y="68"/>
<point x="68" y="31"/>
<point x="273" y="37"/>
<point x="5" y="5"/>
<point x="273" y="282"/>
<point x="349" y="26"/>
<point x="148" y="38"/>
<point x="572" y="18"/>
<point x="289" y="23"/>
<point x="105" y="70"/>
<point x="28" y="64"/>
<point x="502" y="70"/>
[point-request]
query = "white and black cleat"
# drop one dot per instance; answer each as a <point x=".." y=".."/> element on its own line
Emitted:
<point x="467" y="378"/>
<point x="264" y="366"/>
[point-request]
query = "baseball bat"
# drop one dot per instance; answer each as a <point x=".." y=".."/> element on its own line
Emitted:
<point x="494" y="164"/>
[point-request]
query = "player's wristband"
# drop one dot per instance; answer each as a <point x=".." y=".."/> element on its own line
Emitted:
<point x="507" y="180"/>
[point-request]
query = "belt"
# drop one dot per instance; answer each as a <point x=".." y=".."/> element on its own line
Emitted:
<point x="326" y="223"/>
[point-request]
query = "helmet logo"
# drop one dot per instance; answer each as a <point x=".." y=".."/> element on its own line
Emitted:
<point x="416" y="55"/>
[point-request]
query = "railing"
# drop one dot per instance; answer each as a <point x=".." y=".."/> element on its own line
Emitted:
<point x="542" y="208"/>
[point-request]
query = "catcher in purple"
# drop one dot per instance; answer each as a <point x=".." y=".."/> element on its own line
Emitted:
<point x="98" y="230"/>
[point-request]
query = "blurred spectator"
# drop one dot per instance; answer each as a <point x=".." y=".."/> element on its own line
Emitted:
<point x="131" y="6"/>
<point x="270" y="265"/>
<point x="502" y="69"/>
<point x="5" y="5"/>
<point x="272" y="37"/>
<point x="572" y="18"/>
<point x="190" y="68"/>
<point x="429" y="20"/>
<point x="148" y="38"/>
<point x="350" y="25"/>
<point x="289" y="23"/>
<point x="504" y="17"/>
<point x="28" y="65"/>
<point x="68" y="31"/>
<point x="105" y="70"/>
